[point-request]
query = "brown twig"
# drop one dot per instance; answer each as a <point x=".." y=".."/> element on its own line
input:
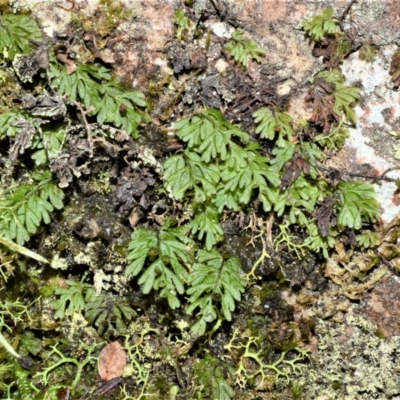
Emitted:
<point x="85" y="123"/>
<point x="374" y="178"/>
<point x="72" y="2"/>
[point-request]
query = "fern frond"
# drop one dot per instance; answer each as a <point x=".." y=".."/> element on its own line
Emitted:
<point x="214" y="281"/>
<point x="26" y="207"/>
<point x="161" y="259"/>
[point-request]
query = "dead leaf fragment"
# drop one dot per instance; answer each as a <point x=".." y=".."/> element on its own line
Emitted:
<point x="112" y="361"/>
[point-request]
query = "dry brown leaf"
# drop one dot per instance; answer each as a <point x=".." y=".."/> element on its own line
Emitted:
<point x="112" y="361"/>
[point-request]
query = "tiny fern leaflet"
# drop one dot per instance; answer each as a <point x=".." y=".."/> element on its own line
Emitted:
<point x="187" y="171"/>
<point x="344" y="95"/>
<point x="108" y="313"/>
<point x="255" y="174"/>
<point x="101" y="95"/>
<point x="321" y="25"/>
<point x="272" y="121"/>
<point x="243" y="50"/>
<point x="357" y="202"/>
<point x="206" y="222"/>
<point x="27" y="206"/>
<point x="212" y="376"/>
<point x="214" y="280"/>
<point x="161" y="259"/>
<point x="209" y="134"/>
<point x="17" y="33"/>
<point x="72" y="298"/>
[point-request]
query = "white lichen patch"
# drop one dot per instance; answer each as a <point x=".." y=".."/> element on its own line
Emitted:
<point x="352" y="362"/>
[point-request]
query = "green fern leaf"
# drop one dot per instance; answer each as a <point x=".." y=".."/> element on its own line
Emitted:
<point x="271" y="121"/>
<point x="108" y="313"/>
<point x="344" y="95"/>
<point x="357" y="201"/>
<point x="187" y="171"/>
<point x="321" y="25"/>
<point x="255" y="174"/>
<point x="161" y="259"/>
<point x="211" y="278"/>
<point x="212" y="377"/>
<point x="243" y="50"/>
<point x="209" y="134"/>
<point x="71" y="299"/>
<point x="206" y="222"/>
<point x="17" y="31"/>
<point x="26" y="207"/>
<point x="94" y="87"/>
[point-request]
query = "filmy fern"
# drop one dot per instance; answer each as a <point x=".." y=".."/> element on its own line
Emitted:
<point x="214" y="282"/>
<point x="206" y="223"/>
<point x="101" y="95"/>
<point x="161" y="259"/>
<point x="26" y="207"/>
<point x="188" y="172"/>
<point x="9" y="122"/>
<point x="209" y="134"/>
<point x="345" y="96"/>
<point x="47" y="145"/>
<point x="17" y="33"/>
<point x="243" y="50"/>
<point x="108" y="313"/>
<point x="212" y="377"/>
<point x="270" y="122"/>
<point x="321" y="25"/>
<point x="241" y="180"/>
<point x="72" y="298"/>
<point x="358" y="202"/>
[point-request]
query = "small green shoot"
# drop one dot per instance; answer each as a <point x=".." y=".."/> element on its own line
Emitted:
<point x="271" y="121"/>
<point x="161" y="259"/>
<point x="214" y="280"/>
<point x="27" y="206"/>
<point x="182" y="23"/>
<point x="243" y="50"/>
<point x="321" y="25"/>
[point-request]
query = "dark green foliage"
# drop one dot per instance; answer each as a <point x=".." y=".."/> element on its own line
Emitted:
<point x="270" y="122"/>
<point x="162" y="260"/>
<point x="345" y="96"/>
<point x="335" y="139"/>
<point x="213" y="378"/>
<point x="9" y="122"/>
<point x="214" y="280"/>
<point x="108" y="314"/>
<point x="358" y="202"/>
<point x="27" y="206"/>
<point x="241" y="179"/>
<point x="101" y="95"/>
<point x="209" y="134"/>
<point x="206" y="223"/>
<point x="17" y="32"/>
<point x="72" y="298"/>
<point x="188" y="172"/>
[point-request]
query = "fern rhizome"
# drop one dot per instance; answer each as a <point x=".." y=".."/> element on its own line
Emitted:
<point x="146" y="244"/>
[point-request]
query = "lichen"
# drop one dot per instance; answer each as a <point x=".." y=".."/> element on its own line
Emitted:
<point x="352" y="362"/>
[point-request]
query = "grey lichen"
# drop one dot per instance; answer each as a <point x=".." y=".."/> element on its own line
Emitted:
<point x="352" y="362"/>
